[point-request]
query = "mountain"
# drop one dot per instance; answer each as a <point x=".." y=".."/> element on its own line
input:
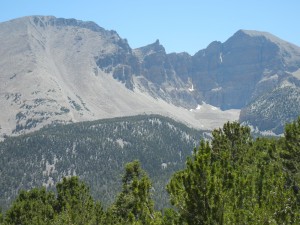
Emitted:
<point x="255" y="72"/>
<point x="236" y="69"/>
<point x="56" y="70"/>
<point x="272" y="110"/>
<point x="96" y="151"/>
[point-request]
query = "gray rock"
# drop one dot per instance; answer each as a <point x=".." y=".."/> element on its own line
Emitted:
<point x="93" y="73"/>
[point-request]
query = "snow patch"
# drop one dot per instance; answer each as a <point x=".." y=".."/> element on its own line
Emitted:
<point x="286" y="83"/>
<point x="121" y="142"/>
<point x="273" y="77"/>
<point x="50" y="168"/>
<point x="171" y="126"/>
<point x="191" y="89"/>
<point x="155" y="121"/>
<point x="297" y="74"/>
<point x="197" y="108"/>
<point x="216" y="89"/>
<point x="164" y="166"/>
<point x="205" y="107"/>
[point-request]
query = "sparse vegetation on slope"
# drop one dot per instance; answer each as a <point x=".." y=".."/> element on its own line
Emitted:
<point x="234" y="179"/>
<point x="96" y="152"/>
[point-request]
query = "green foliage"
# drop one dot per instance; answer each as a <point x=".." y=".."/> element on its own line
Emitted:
<point x="73" y="204"/>
<point x="134" y="203"/>
<point x="235" y="180"/>
<point x="32" y="207"/>
<point x="232" y="179"/>
<point x="291" y="158"/>
<point x="192" y="190"/>
<point x="74" y="201"/>
<point x="1" y="216"/>
<point x="292" y="146"/>
<point x="170" y="217"/>
<point x="96" y="152"/>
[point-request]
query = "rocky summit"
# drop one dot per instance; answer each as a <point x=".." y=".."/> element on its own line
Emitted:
<point x="56" y="70"/>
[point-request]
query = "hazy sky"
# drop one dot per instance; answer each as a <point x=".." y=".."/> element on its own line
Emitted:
<point x="188" y="25"/>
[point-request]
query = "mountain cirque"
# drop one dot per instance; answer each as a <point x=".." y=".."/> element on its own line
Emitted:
<point x="65" y="70"/>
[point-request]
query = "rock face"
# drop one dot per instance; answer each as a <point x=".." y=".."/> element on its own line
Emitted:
<point x="65" y="70"/>
<point x="230" y="74"/>
<point x="227" y="75"/>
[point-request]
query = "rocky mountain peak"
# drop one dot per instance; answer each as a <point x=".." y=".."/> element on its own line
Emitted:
<point x="155" y="47"/>
<point x="62" y="22"/>
<point x="287" y="53"/>
<point x="260" y="34"/>
<point x="56" y="69"/>
<point x="253" y="33"/>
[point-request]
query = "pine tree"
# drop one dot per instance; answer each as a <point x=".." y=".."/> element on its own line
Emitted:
<point x="134" y="203"/>
<point x="290" y="154"/>
<point x="234" y="180"/>
<point x="32" y="207"/>
<point x="1" y="216"/>
<point x="291" y="147"/>
<point x="197" y="190"/>
<point x="74" y="202"/>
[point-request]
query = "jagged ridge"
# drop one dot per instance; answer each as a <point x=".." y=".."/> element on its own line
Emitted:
<point x="58" y="70"/>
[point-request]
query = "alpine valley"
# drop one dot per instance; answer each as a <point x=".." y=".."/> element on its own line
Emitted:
<point x="76" y="99"/>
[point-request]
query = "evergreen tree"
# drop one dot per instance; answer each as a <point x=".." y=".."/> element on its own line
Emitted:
<point x="74" y="202"/>
<point x="291" y="156"/>
<point x="99" y="214"/>
<point x="231" y="180"/>
<point x="234" y="180"/>
<point x="197" y="190"/>
<point x="1" y="216"/>
<point x="32" y="207"/>
<point x="134" y="203"/>
<point x="170" y="217"/>
<point x="291" y="146"/>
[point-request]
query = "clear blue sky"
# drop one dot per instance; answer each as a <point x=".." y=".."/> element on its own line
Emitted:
<point x="188" y="25"/>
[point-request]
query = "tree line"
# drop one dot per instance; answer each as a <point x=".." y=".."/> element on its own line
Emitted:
<point x="232" y="179"/>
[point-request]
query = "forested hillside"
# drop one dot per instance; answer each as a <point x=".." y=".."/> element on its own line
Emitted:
<point x="96" y="152"/>
<point x="233" y="179"/>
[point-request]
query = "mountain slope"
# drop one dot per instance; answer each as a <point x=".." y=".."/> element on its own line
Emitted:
<point x="56" y="70"/>
<point x="96" y="152"/>
<point x="229" y="73"/>
<point x="65" y="70"/>
<point x="272" y="110"/>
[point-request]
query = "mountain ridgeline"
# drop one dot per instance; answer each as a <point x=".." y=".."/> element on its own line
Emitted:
<point x="96" y="152"/>
<point x="227" y="75"/>
<point x="56" y="70"/>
